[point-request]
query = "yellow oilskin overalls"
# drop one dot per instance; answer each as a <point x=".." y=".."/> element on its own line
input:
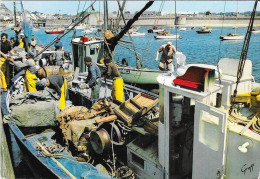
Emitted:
<point x="2" y="79"/>
<point x="21" y="43"/>
<point x="118" y="89"/>
<point x="30" y="80"/>
<point x="63" y="95"/>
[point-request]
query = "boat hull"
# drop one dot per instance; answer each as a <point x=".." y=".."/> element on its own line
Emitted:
<point x="255" y="32"/>
<point x="55" y="32"/>
<point x="155" y="30"/>
<point x="166" y="36"/>
<point x="203" y="32"/>
<point x="135" y="34"/>
<point x="240" y="37"/>
<point x="137" y="76"/>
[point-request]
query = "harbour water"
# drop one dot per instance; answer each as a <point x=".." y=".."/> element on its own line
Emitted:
<point x="198" y="48"/>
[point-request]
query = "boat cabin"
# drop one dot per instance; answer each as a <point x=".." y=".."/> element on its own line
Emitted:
<point x="194" y="112"/>
<point x="84" y="46"/>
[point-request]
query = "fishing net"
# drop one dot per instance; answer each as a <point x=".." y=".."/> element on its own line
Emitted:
<point x="34" y="109"/>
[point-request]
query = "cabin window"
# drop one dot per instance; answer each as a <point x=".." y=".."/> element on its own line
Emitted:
<point x="92" y="51"/>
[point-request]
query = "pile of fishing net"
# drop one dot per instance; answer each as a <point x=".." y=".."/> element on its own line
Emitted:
<point x="34" y="109"/>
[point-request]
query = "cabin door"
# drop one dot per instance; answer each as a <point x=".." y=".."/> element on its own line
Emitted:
<point x="209" y="147"/>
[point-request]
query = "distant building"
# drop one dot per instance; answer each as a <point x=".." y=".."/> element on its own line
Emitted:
<point x="151" y="14"/>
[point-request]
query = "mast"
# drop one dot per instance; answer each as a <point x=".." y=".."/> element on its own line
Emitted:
<point x="105" y="15"/>
<point x="15" y="20"/>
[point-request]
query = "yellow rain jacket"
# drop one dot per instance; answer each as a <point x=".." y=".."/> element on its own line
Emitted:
<point x="30" y="74"/>
<point x="118" y="89"/>
<point x="2" y="79"/>
<point x="63" y="95"/>
<point x="21" y="44"/>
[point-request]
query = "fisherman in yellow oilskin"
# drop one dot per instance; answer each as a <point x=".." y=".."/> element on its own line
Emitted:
<point x="22" y="41"/>
<point x="2" y="78"/>
<point x="59" y="84"/>
<point x="118" y="84"/>
<point x="30" y="68"/>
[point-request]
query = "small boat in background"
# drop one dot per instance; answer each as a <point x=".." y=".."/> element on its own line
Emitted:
<point x="204" y="30"/>
<point x="87" y="31"/>
<point x="232" y="37"/>
<point x="255" y="31"/>
<point x="135" y="34"/>
<point x="183" y="29"/>
<point x="55" y="31"/>
<point x="192" y="28"/>
<point x="166" y="35"/>
<point x="35" y="29"/>
<point x="155" y="30"/>
<point x="81" y="26"/>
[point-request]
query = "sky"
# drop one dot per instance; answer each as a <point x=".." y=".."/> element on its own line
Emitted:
<point x="70" y="7"/>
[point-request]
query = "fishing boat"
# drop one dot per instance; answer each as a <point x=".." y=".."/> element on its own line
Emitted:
<point x="131" y="75"/>
<point x="166" y="35"/>
<point x="232" y="37"/>
<point x="54" y="31"/>
<point x="204" y="30"/>
<point x="183" y="29"/>
<point x="155" y="29"/>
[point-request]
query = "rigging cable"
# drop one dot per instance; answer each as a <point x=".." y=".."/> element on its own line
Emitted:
<point x="243" y="55"/>
<point x="68" y="29"/>
<point x="219" y="79"/>
<point x="137" y="57"/>
<point x="176" y="25"/>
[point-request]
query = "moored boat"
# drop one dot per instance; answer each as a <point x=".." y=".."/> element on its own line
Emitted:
<point x="166" y="35"/>
<point x="54" y="31"/>
<point x="255" y="31"/>
<point x="135" y="34"/>
<point x="183" y="29"/>
<point x="204" y="30"/>
<point x="129" y="74"/>
<point x="232" y="37"/>
<point x="155" y="30"/>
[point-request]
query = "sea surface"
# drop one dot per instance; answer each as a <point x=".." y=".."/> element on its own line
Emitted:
<point x="198" y="48"/>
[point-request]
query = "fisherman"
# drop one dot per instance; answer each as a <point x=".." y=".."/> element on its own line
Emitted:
<point x="167" y="56"/>
<point x="2" y="78"/>
<point x="94" y="78"/>
<point x="5" y="49"/>
<point x="58" y="45"/>
<point x="30" y="69"/>
<point x="59" y="58"/>
<point x="118" y="84"/>
<point x="22" y="42"/>
<point x="12" y="42"/>
<point x="59" y="84"/>
<point x="33" y="45"/>
<point x="111" y="40"/>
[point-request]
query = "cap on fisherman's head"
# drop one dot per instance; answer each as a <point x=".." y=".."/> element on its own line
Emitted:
<point x="41" y="84"/>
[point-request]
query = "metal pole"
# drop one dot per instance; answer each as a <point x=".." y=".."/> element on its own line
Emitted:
<point x="15" y="20"/>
